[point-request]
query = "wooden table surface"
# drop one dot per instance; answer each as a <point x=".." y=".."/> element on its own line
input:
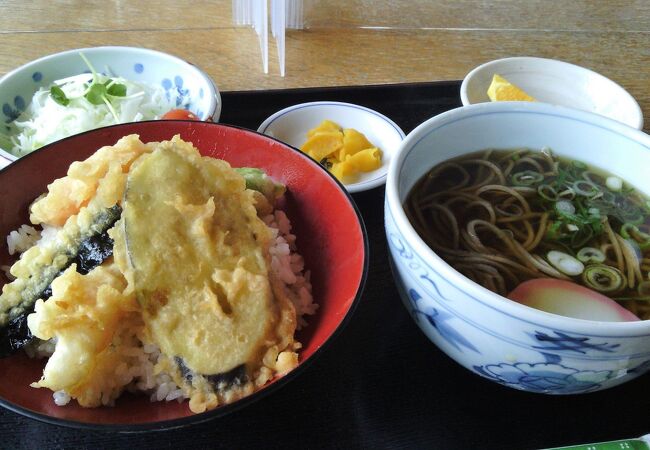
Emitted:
<point x="354" y="42"/>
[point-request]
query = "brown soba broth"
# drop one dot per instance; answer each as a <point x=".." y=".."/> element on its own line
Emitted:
<point x="501" y="217"/>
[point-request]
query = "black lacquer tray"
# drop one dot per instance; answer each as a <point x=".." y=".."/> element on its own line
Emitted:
<point x="381" y="384"/>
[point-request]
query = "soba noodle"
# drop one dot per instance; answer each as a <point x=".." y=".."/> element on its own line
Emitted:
<point x="501" y="217"/>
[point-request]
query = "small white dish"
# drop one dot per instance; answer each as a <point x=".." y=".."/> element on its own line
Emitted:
<point x="291" y="124"/>
<point x="558" y="83"/>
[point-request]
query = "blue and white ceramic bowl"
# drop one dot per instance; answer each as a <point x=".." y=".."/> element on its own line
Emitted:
<point x="490" y="335"/>
<point x="137" y="64"/>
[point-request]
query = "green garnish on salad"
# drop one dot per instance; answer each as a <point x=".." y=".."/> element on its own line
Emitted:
<point x="59" y="96"/>
<point x="97" y="93"/>
<point x="83" y="102"/>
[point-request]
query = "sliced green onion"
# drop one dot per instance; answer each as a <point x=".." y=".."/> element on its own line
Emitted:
<point x="603" y="278"/>
<point x="590" y="255"/>
<point x="644" y="242"/>
<point x="578" y="165"/>
<point x="526" y="178"/>
<point x="567" y="194"/>
<point x="635" y="217"/>
<point x="592" y="177"/>
<point x="547" y="192"/>
<point x="565" y="263"/>
<point x="565" y="207"/>
<point x="608" y="197"/>
<point x="614" y="183"/>
<point x="586" y="188"/>
<point x="631" y="231"/>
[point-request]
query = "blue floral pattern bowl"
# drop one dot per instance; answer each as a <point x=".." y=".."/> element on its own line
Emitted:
<point x="175" y="75"/>
<point x="496" y="338"/>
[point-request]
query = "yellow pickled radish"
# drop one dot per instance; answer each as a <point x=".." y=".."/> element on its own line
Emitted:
<point x="342" y="171"/>
<point x="366" y="160"/>
<point x="325" y="125"/>
<point x="501" y="90"/>
<point x="322" y="144"/>
<point x="344" y="152"/>
<point x="353" y="142"/>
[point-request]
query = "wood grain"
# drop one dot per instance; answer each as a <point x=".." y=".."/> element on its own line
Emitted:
<point x="347" y="43"/>
<point x="97" y="15"/>
<point x="575" y="15"/>
<point x="550" y="15"/>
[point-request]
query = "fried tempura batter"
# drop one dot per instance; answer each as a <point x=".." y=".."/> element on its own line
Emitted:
<point x="197" y="258"/>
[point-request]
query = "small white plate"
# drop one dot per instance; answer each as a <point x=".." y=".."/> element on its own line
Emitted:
<point x="291" y="124"/>
<point x="558" y="83"/>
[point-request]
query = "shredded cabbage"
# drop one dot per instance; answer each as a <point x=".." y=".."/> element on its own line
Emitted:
<point x="46" y="121"/>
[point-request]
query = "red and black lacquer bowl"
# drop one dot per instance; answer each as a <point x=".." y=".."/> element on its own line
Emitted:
<point x="330" y="235"/>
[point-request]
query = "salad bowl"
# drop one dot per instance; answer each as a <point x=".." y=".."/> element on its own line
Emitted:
<point x="177" y="83"/>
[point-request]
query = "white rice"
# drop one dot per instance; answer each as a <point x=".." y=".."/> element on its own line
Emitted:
<point x="286" y="264"/>
<point x="21" y="239"/>
<point x="48" y="234"/>
<point x="61" y="398"/>
<point x="24" y="238"/>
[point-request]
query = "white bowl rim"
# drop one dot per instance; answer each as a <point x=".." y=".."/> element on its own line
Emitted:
<point x="464" y="284"/>
<point x="353" y="187"/>
<point x="214" y="94"/>
<point x="638" y="113"/>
